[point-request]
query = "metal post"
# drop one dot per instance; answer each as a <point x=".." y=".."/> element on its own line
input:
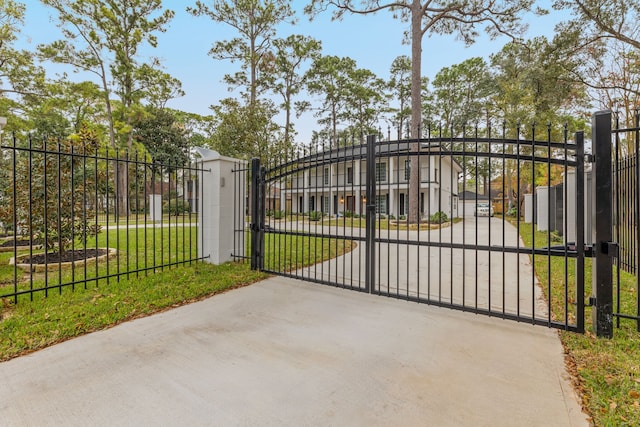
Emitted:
<point x="370" y="271"/>
<point x="579" y="221"/>
<point x="257" y="215"/>
<point x="604" y="248"/>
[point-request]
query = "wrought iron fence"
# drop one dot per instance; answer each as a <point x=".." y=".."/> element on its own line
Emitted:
<point x="342" y="216"/>
<point x="626" y="208"/>
<point x="73" y="214"/>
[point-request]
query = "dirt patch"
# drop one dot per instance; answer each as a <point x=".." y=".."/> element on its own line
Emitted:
<point x="22" y="242"/>
<point x="67" y="256"/>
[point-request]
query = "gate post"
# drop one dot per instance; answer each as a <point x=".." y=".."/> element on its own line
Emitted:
<point x="216" y="213"/>
<point x="578" y="218"/>
<point x="257" y="215"/>
<point x="603" y="246"/>
<point x="370" y="268"/>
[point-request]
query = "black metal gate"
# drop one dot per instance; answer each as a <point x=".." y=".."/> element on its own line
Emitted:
<point x="443" y="220"/>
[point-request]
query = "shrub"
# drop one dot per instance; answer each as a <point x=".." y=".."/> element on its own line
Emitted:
<point x="392" y="217"/>
<point x="512" y="211"/>
<point x="315" y="216"/>
<point x="39" y="213"/>
<point x="175" y="207"/>
<point x="438" y="217"/>
<point x="278" y="214"/>
<point x="347" y="214"/>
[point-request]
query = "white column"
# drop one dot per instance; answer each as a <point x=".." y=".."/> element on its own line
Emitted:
<point x="528" y="208"/>
<point x="216" y="216"/>
<point x="542" y="208"/>
<point x="155" y="207"/>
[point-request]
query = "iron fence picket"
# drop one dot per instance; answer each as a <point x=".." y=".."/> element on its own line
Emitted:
<point x="485" y="256"/>
<point x="59" y="177"/>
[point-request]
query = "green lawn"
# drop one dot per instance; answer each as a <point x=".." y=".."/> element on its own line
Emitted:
<point x="140" y="219"/>
<point x="138" y="249"/>
<point x="608" y="371"/>
<point x="66" y="313"/>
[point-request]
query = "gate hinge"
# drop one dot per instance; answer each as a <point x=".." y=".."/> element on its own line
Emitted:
<point x="591" y="302"/>
<point x="609" y="248"/>
<point x="589" y="158"/>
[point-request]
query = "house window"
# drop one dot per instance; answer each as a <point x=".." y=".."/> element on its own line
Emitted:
<point x="435" y="175"/>
<point x="404" y="204"/>
<point x="407" y="169"/>
<point x="325" y="204"/>
<point x="381" y="204"/>
<point x="325" y="175"/>
<point x="349" y="175"/>
<point x="381" y="172"/>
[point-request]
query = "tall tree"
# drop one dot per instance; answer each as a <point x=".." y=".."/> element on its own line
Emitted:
<point x="255" y="21"/>
<point x="285" y="76"/>
<point x="329" y="78"/>
<point x="103" y="37"/>
<point x="20" y="78"/>
<point x="459" y="17"/>
<point x="603" y="38"/>
<point x="400" y="87"/>
<point x="366" y="100"/>
<point x="462" y="93"/>
<point x="245" y="131"/>
<point x="163" y="137"/>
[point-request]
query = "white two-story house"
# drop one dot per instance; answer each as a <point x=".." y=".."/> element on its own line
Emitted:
<point x="333" y="182"/>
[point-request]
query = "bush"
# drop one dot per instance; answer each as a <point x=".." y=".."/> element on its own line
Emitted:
<point x="176" y="207"/>
<point x="315" y="216"/>
<point x="278" y="215"/>
<point x="347" y="214"/>
<point x="392" y="217"/>
<point x="403" y="217"/>
<point x="512" y="211"/>
<point x="438" y="217"/>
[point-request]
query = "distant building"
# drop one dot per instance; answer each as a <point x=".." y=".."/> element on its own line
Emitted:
<point x="334" y="182"/>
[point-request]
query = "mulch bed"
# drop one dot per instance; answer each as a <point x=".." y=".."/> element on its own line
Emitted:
<point x="68" y="256"/>
<point x="24" y="242"/>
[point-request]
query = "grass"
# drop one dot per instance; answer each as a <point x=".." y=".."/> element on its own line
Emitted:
<point x="138" y="249"/>
<point x="140" y="219"/>
<point x="29" y="326"/>
<point x="286" y="252"/>
<point x="66" y="313"/>
<point x="608" y="371"/>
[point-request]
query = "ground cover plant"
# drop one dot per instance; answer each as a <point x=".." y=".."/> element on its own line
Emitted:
<point x="607" y="371"/>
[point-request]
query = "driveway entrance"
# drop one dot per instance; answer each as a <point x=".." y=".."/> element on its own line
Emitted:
<point x="288" y="353"/>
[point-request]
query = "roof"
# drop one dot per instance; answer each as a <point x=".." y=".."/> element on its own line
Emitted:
<point x="470" y="195"/>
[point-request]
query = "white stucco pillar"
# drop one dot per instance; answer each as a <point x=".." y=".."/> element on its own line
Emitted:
<point x="528" y="208"/>
<point x="216" y="216"/>
<point x="542" y="208"/>
<point x="155" y="207"/>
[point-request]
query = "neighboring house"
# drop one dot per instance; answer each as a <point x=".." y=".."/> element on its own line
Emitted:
<point x="332" y="183"/>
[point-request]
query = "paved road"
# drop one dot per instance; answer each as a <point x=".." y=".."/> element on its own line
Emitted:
<point x="289" y="353"/>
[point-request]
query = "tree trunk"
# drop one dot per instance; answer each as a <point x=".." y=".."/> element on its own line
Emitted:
<point x="416" y="111"/>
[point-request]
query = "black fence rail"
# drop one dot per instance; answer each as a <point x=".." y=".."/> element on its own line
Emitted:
<point x="626" y="211"/>
<point x="76" y="215"/>
<point x="342" y="216"/>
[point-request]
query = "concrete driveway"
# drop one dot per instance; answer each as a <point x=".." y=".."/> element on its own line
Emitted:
<point x="284" y="352"/>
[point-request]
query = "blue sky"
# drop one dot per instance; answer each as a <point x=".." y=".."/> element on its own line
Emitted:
<point x="373" y="41"/>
